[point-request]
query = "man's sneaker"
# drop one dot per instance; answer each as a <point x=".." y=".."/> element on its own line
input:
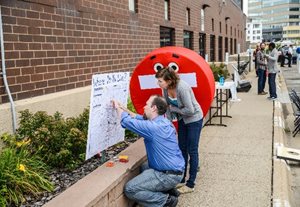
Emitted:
<point x="185" y="189"/>
<point x="171" y="202"/>
<point x="262" y="93"/>
<point x="174" y="192"/>
<point x="179" y="185"/>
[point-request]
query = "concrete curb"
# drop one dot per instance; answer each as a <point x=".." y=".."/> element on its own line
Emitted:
<point x="281" y="194"/>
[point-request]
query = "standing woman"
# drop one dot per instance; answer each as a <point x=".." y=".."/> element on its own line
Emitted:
<point x="183" y="105"/>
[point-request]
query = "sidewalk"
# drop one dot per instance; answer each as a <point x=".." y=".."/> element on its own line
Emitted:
<point x="236" y="161"/>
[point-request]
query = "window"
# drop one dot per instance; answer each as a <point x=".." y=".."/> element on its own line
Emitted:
<point x="212" y="24"/>
<point x="256" y="26"/>
<point x="167" y="36"/>
<point x="231" y="30"/>
<point x="212" y="48"/>
<point x="188" y="16"/>
<point x="220" y="49"/>
<point x="202" y="44"/>
<point x="226" y="29"/>
<point x="235" y="46"/>
<point x="202" y="19"/>
<point x="167" y="10"/>
<point x="220" y="27"/>
<point x="133" y="6"/>
<point x="226" y="44"/>
<point x="231" y="46"/>
<point x="188" y="39"/>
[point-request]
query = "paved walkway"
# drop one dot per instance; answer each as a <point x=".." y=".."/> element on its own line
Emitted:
<point x="236" y="161"/>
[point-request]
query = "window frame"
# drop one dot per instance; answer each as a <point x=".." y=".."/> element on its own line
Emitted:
<point x="171" y="34"/>
<point x="190" y="39"/>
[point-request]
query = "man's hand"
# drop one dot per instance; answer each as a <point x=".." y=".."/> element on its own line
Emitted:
<point x="116" y="104"/>
<point x="120" y="108"/>
<point x="267" y="57"/>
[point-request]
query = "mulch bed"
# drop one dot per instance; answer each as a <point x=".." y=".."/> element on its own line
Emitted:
<point x="62" y="179"/>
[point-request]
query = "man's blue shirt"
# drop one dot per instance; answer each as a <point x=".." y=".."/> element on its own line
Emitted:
<point x="160" y="140"/>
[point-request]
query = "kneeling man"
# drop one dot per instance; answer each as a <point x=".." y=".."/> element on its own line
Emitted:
<point x="165" y="166"/>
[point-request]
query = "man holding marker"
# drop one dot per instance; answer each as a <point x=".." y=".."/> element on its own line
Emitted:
<point x="165" y="167"/>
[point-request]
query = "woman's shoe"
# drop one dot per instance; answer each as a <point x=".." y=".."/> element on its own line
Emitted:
<point x="185" y="189"/>
<point x="179" y="185"/>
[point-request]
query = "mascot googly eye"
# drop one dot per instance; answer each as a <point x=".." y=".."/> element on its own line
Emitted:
<point x="157" y="67"/>
<point x="174" y="66"/>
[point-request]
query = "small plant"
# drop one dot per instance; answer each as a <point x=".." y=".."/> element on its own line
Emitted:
<point x="21" y="174"/>
<point x="219" y="70"/>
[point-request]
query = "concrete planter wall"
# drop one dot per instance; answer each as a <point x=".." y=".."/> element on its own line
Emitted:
<point x="104" y="186"/>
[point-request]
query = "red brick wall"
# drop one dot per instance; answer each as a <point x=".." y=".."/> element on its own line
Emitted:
<point x="52" y="46"/>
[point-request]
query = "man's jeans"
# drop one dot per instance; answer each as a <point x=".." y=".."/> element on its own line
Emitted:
<point x="188" y="138"/>
<point x="148" y="188"/>
<point x="272" y="85"/>
<point x="261" y="80"/>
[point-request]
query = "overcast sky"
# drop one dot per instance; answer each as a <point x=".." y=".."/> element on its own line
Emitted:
<point x="246" y="7"/>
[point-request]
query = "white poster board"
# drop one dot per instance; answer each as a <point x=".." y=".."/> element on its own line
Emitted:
<point x="104" y="125"/>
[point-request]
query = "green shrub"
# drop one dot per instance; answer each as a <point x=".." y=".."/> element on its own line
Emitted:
<point x="59" y="142"/>
<point x="219" y="70"/>
<point x="21" y="174"/>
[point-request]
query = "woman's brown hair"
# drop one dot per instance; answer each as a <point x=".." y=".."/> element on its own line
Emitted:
<point x="168" y="74"/>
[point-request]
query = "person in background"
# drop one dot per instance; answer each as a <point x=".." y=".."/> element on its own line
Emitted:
<point x="164" y="170"/>
<point x="283" y="55"/>
<point x="272" y="70"/>
<point x="261" y="70"/>
<point x="254" y="58"/>
<point x="183" y="105"/>
<point x="290" y="55"/>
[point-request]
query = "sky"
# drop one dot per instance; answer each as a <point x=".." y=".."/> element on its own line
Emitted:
<point x="245" y="7"/>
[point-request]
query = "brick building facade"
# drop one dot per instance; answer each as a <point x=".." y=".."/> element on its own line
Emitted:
<point x="56" y="45"/>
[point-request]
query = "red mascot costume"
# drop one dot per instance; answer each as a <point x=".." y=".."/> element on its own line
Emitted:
<point x="190" y="66"/>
